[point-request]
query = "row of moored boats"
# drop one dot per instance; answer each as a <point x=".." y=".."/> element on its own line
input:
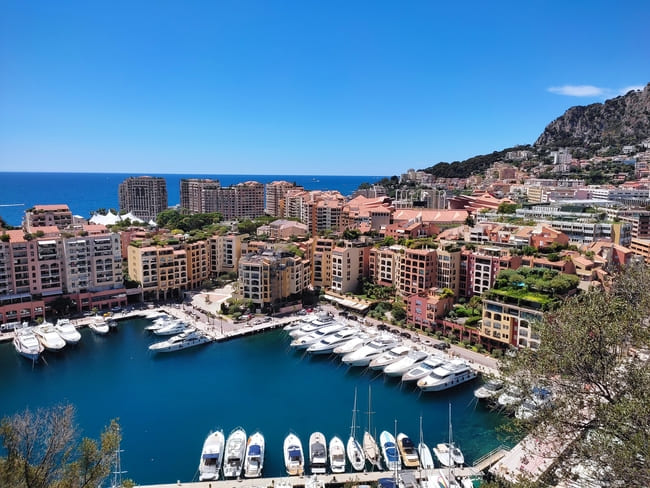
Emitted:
<point x="181" y="335"/>
<point x="512" y="399"/>
<point x="321" y="334"/>
<point x="30" y="342"/>
<point x="239" y="456"/>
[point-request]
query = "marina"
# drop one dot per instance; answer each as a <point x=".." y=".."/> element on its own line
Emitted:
<point x="177" y="399"/>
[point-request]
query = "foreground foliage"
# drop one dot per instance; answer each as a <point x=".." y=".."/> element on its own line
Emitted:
<point x="601" y="406"/>
<point x="43" y="450"/>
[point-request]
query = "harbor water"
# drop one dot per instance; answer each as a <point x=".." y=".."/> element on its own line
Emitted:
<point x="168" y="403"/>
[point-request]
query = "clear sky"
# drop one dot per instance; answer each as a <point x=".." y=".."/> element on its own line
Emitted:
<point x="300" y="87"/>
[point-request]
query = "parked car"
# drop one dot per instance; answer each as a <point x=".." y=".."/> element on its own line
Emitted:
<point x="442" y="345"/>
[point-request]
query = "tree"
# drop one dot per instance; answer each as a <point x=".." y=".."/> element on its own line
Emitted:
<point x="600" y="407"/>
<point x="43" y="451"/>
<point x="507" y="208"/>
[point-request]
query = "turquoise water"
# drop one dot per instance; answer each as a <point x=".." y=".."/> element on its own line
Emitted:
<point x="167" y="404"/>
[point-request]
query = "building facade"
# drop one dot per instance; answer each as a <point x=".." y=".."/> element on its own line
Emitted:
<point x="143" y="196"/>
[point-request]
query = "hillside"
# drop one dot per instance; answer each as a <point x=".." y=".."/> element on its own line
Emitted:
<point x="473" y="165"/>
<point x="619" y="121"/>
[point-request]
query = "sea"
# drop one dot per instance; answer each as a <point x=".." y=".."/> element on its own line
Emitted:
<point x="168" y="403"/>
<point x="87" y="192"/>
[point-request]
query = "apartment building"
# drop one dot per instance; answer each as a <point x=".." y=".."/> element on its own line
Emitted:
<point x="349" y="266"/>
<point x="484" y="265"/>
<point x="161" y="270"/>
<point x="84" y="266"/>
<point x="508" y="322"/>
<point x="449" y="269"/>
<point x="321" y="262"/>
<point x="384" y="265"/>
<point x="417" y="271"/>
<point x="276" y="192"/>
<point x="269" y="278"/>
<point x="143" y="196"/>
<point x="224" y="253"/>
<point x="641" y="247"/>
<point x="282" y="229"/>
<point x="422" y="309"/>
<point x="38" y="216"/>
<point x="199" y="195"/>
<point x="198" y="263"/>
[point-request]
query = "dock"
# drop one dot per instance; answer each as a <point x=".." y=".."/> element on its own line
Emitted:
<point x="356" y="478"/>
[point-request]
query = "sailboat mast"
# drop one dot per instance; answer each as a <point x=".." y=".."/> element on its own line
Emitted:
<point x="450" y="445"/>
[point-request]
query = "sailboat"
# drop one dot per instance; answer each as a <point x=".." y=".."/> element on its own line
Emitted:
<point x="426" y="459"/>
<point x="447" y="454"/>
<point x="353" y="448"/>
<point x="370" y="447"/>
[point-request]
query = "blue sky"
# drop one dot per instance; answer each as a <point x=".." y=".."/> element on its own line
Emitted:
<point x="300" y="87"/>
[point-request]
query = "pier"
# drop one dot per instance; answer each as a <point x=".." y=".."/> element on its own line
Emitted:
<point x="360" y="478"/>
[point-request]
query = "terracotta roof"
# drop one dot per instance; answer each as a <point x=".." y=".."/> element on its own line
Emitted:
<point x="61" y="206"/>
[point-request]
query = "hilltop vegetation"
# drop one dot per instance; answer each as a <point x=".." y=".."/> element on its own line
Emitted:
<point x="473" y="165"/>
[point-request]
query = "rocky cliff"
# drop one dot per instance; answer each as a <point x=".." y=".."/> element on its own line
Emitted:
<point x="621" y="120"/>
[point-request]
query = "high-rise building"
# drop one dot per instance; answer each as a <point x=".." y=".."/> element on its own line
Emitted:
<point x="200" y="195"/>
<point x="243" y="200"/>
<point x="276" y="192"/>
<point x="143" y="196"/>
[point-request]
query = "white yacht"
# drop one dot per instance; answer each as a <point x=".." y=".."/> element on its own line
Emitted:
<point x="254" y="462"/>
<point x="489" y="390"/>
<point x="388" y="357"/>
<point x="448" y="455"/>
<point x="294" y="459"/>
<point x="401" y="366"/>
<point x="364" y="355"/>
<point x="389" y="451"/>
<point x="190" y="337"/>
<point x="353" y="344"/>
<point x="510" y="398"/>
<point x="317" y="453"/>
<point x="67" y="331"/>
<point x="327" y="344"/>
<point x="99" y="326"/>
<point x="305" y="341"/>
<point x="337" y="455"/>
<point x="158" y="323"/>
<point x="454" y="373"/>
<point x="49" y="337"/>
<point x="530" y="407"/>
<point x="424" y="368"/>
<point x="408" y="451"/>
<point x="211" y="456"/>
<point x="308" y="328"/>
<point x="26" y="343"/>
<point x="234" y="455"/>
<point x="174" y="327"/>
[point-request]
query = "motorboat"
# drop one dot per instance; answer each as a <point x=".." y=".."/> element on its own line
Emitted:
<point x="448" y="455"/>
<point x="364" y="355"/>
<point x="99" y="326"/>
<point x="443" y="480"/>
<point x="370" y="446"/>
<point x="389" y="451"/>
<point x="401" y="366"/>
<point x="254" y="462"/>
<point x="27" y="344"/>
<point x="425" y="368"/>
<point x="67" y="331"/>
<point x="353" y="344"/>
<point x="453" y="373"/>
<point x="190" y="337"/>
<point x="317" y="453"/>
<point x="294" y="459"/>
<point x="305" y="341"/>
<point x="407" y="450"/>
<point x="174" y="327"/>
<point x="353" y="448"/>
<point x="489" y="390"/>
<point x="211" y="456"/>
<point x="49" y="337"/>
<point x="305" y="320"/>
<point x="337" y="455"/>
<point x="426" y="459"/>
<point x="234" y="455"/>
<point x="327" y="344"/>
<point x="510" y="398"/>
<point x="530" y="407"/>
<point x="309" y="327"/>
<point x="158" y="323"/>
<point x="112" y="323"/>
<point x="389" y="357"/>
